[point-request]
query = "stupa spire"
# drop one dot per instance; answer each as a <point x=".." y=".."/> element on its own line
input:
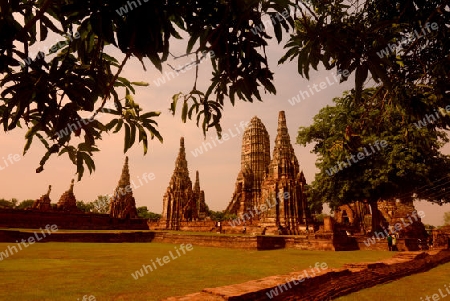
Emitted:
<point x="182" y="202"/>
<point x="68" y="201"/>
<point x="123" y="204"/>
<point x="124" y="180"/>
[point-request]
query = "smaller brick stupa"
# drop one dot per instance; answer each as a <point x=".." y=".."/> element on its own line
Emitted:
<point x="122" y="203"/>
<point x="43" y="203"/>
<point x="67" y="201"/>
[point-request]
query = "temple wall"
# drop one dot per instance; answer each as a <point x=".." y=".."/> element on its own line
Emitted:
<point x="88" y="237"/>
<point x="12" y="218"/>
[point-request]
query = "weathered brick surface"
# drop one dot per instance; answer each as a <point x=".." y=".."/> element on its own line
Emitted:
<point x="13" y="218"/>
<point x="329" y="284"/>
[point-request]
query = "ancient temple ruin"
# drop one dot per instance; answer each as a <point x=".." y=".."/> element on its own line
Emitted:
<point x="44" y="202"/>
<point x="181" y="202"/>
<point x="276" y="186"/>
<point x="284" y="186"/>
<point x="359" y="218"/>
<point x="356" y="215"/>
<point x="68" y="202"/>
<point x="255" y="158"/>
<point x="122" y="203"/>
<point x="201" y="209"/>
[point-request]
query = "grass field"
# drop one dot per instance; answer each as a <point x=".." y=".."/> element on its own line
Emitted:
<point x="415" y="287"/>
<point x="68" y="271"/>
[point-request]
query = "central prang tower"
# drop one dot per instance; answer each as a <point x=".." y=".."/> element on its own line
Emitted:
<point x="255" y="157"/>
<point x="270" y="193"/>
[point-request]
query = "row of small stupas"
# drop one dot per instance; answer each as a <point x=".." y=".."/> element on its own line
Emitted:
<point x="67" y="202"/>
<point x="122" y="203"/>
<point x="268" y="192"/>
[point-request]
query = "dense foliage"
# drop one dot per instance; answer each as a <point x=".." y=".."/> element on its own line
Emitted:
<point x="375" y="151"/>
<point x="400" y="47"/>
<point x="57" y="95"/>
<point x="144" y="213"/>
<point x="14" y="204"/>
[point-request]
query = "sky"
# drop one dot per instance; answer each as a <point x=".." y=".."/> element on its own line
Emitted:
<point x="218" y="166"/>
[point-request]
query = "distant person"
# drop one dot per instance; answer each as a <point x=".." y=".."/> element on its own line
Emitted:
<point x="244" y="230"/>
<point x="389" y="242"/>
<point x="394" y="242"/>
<point x="219" y="225"/>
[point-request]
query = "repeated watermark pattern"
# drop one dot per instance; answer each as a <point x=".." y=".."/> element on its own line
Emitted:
<point x="297" y="280"/>
<point x="431" y="118"/>
<point x="11" y="159"/>
<point x="361" y="156"/>
<point x="316" y="88"/>
<point x="53" y="49"/>
<point x="11" y="250"/>
<point x="123" y="10"/>
<point x="255" y="212"/>
<point x="225" y="137"/>
<point x="146" y="177"/>
<point x="407" y="39"/>
<point x="437" y="297"/>
<point x="396" y="228"/>
<point x="161" y="262"/>
<point x="76" y="126"/>
<point x="169" y="75"/>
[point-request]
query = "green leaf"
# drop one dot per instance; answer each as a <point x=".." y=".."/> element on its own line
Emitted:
<point x="173" y="105"/>
<point x="143" y="138"/>
<point x="89" y="162"/>
<point x="111" y="124"/>
<point x="80" y="167"/>
<point x="150" y="114"/>
<point x="194" y="37"/>
<point x="184" y="111"/>
<point x="43" y="31"/>
<point x="127" y="138"/>
<point x="132" y="134"/>
<point x="119" y="126"/>
<point x="141" y="84"/>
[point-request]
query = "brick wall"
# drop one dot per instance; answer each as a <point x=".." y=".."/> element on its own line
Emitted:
<point x="11" y="218"/>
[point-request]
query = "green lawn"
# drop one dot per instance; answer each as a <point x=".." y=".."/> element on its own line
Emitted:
<point x="68" y="271"/>
<point x="408" y="288"/>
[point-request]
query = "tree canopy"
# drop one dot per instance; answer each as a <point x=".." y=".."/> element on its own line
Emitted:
<point x="51" y="92"/>
<point x="402" y="46"/>
<point x="375" y="151"/>
<point x="447" y="219"/>
<point x="400" y="49"/>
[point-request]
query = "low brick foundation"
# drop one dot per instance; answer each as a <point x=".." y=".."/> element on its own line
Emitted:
<point x="221" y="241"/>
<point x="328" y="284"/>
<point x="324" y="242"/>
<point x="88" y="237"/>
<point x="29" y="219"/>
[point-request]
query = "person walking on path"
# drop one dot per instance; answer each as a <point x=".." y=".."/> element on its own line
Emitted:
<point x="389" y="241"/>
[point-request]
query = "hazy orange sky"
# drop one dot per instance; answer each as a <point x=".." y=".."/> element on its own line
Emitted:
<point x="218" y="166"/>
